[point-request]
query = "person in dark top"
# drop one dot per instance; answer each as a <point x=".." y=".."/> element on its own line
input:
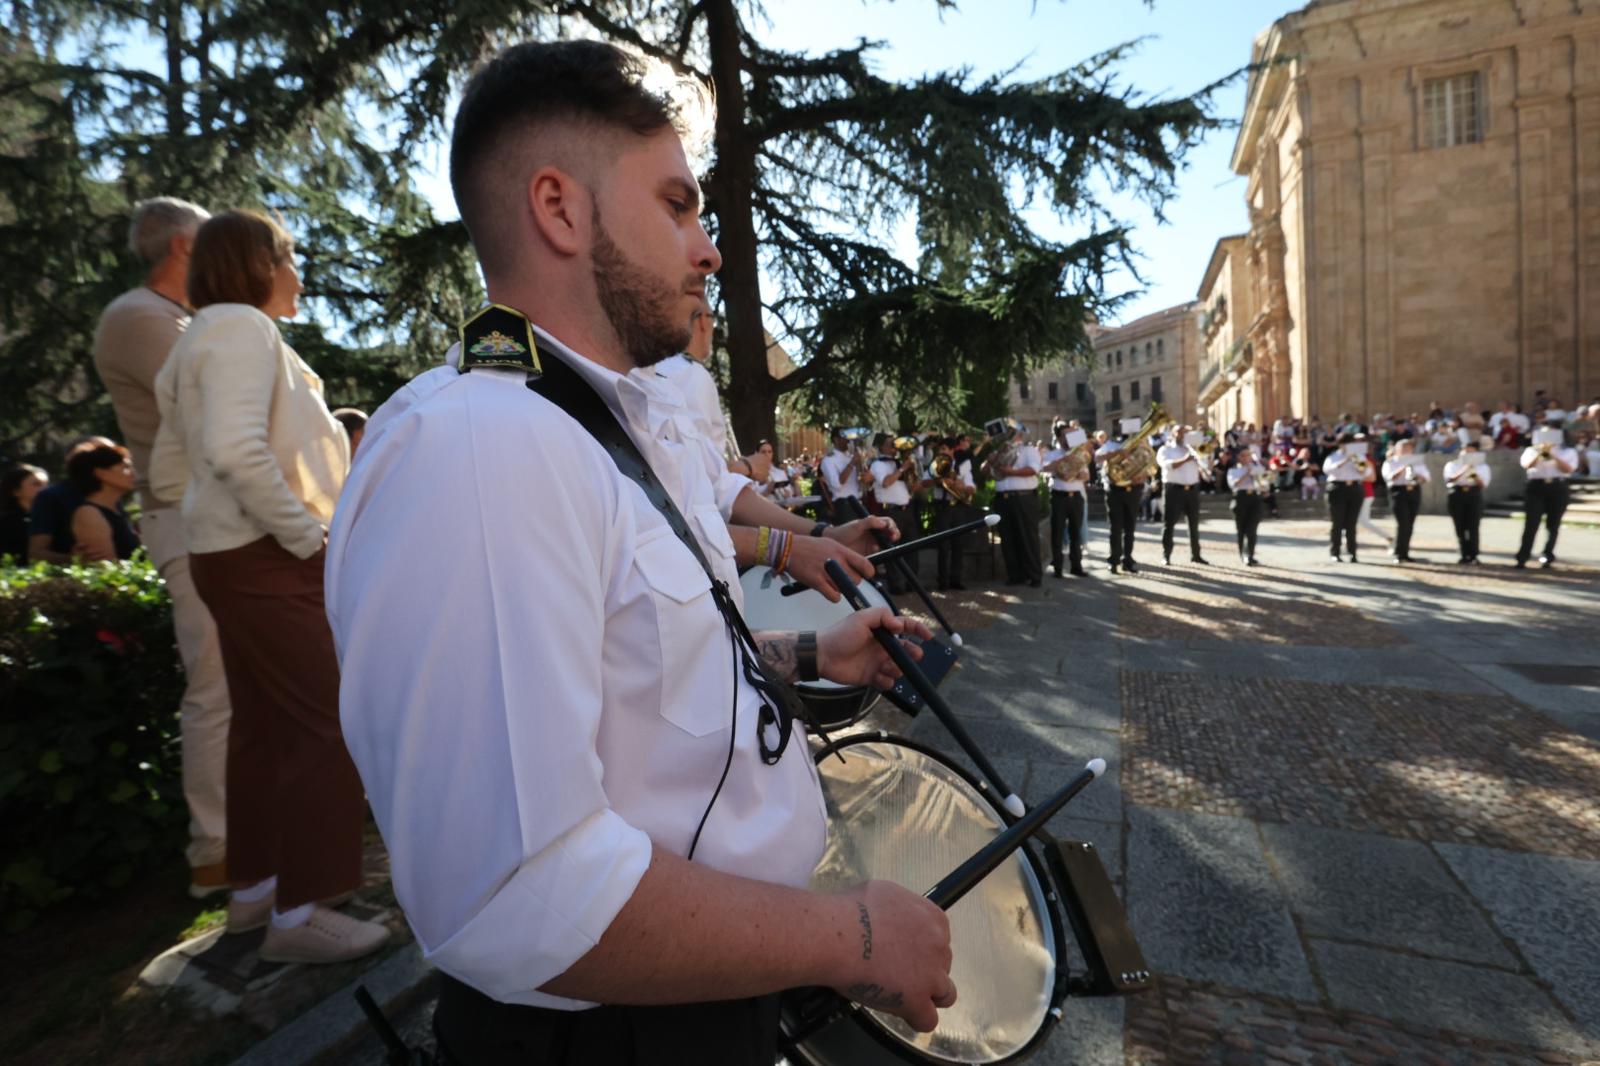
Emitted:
<point x="100" y="531"/>
<point x="50" y="517"/>
<point x="18" y="487"/>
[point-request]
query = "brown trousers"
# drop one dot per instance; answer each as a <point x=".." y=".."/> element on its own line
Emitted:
<point x="294" y="801"/>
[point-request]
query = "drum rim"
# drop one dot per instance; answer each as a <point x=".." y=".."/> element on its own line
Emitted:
<point x="1041" y="869"/>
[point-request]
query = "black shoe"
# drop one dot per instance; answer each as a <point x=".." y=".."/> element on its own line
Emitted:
<point x="1115" y="569"/>
<point x="1522" y="564"/>
<point x="1475" y="561"/>
<point x="1057" y="571"/>
<point x="1353" y="557"/>
<point x="943" y="586"/>
<point x="1036" y="582"/>
<point x="1166" y="560"/>
<point x="1078" y="571"/>
<point x="1463" y="561"/>
<point x="1198" y="559"/>
<point x="1546" y="562"/>
<point x="956" y="586"/>
<point x="1130" y="567"/>
<point x="1252" y="561"/>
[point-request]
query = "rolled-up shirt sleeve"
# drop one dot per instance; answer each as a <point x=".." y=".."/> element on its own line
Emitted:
<point x="468" y="570"/>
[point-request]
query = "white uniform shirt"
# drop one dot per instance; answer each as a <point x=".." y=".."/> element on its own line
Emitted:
<point x="1399" y="473"/>
<point x="1057" y="482"/>
<point x="962" y="472"/>
<point x="896" y="495"/>
<point x="1243" y="478"/>
<point x="1336" y="469"/>
<point x="1458" y="466"/>
<point x="1027" y="457"/>
<point x="1546" y="469"/>
<point x="1102" y="453"/>
<point x="840" y="475"/>
<point x="1177" y="465"/>
<point x="699" y="393"/>
<point x="537" y="685"/>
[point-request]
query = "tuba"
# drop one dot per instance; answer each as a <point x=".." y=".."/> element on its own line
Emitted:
<point x="1137" y="460"/>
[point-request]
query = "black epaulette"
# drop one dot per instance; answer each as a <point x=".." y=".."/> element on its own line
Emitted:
<point x="499" y="336"/>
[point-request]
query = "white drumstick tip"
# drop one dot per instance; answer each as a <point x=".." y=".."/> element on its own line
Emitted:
<point x="1096" y="767"/>
<point x="955" y="638"/>
<point x="991" y="519"/>
<point x="1013" y="803"/>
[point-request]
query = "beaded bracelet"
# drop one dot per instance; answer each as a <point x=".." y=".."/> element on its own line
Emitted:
<point x="783" y="562"/>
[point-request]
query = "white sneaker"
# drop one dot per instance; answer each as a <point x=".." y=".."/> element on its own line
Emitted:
<point x="326" y="936"/>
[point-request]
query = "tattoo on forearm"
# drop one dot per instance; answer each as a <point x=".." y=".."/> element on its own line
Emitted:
<point x="874" y="995"/>
<point x="777" y="650"/>
<point x="866" y="930"/>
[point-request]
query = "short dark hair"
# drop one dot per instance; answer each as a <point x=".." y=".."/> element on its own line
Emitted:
<point x="539" y="82"/>
<point x="83" y="465"/>
<point x="235" y="257"/>
<point x="351" y="418"/>
<point x="879" y="438"/>
<point x="11" y="484"/>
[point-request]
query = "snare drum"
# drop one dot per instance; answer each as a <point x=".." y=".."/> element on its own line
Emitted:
<point x="900" y="812"/>
<point x="835" y="706"/>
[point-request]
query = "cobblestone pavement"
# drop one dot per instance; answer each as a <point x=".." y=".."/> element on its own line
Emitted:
<point x="1352" y="807"/>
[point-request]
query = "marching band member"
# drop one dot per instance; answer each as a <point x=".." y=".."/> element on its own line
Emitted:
<point x="842" y="476"/>
<point x="538" y="696"/>
<point x="1181" y="472"/>
<point x="1405" y="478"/>
<point x="1122" y="501"/>
<point x="1467" y="478"/>
<point x="893" y="482"/>
<point x="1548" y="463"/>
<point x="1068" y="500"/>
<point x="1247" y="479"/>
<point x="1017" y="499"/>
<point x="1346" y="471"/>
<point x="951" y="494"/>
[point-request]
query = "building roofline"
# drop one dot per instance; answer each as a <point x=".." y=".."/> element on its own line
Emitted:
<point x="1145" y="322"/>
<point x="1214" y="264"/>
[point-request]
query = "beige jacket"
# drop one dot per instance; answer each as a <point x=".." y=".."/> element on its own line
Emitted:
<point x="246" y="441"/>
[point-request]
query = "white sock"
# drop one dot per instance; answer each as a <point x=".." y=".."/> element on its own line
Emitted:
<point x="293" y="918"/>
<point x="256" y="892"/>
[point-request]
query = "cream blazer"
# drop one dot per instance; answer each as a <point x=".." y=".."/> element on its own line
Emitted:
<point x="246" y="442"/>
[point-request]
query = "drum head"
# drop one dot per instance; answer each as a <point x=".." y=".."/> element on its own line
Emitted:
<point x="903" y="813"/>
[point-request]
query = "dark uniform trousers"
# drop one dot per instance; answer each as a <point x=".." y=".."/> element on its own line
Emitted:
<point x="1466" y="511"/>
<point x="1405" y="502"/>
<point x="1122" y="505"/>
<point x="1344" y="509"/>
<point x="1545" y="501"/>
<point x="843" y="510"/>
<point x="1181" y="500"/>
<point x="946" y="515"/>
<point x="1066" y="516"/>
<point x="905" y="520"/>
<point x="1019" y="535"/>
<point x="474" y="1030"/>
<point x="1247" y="507"/>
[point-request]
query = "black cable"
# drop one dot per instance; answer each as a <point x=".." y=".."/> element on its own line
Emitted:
<point x="733" y="735"/>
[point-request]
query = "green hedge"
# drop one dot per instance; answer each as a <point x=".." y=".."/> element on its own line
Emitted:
<point x="90" y="684"/>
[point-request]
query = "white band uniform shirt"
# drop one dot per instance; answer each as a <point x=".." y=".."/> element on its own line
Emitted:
<point x="1246" y="478"/>
<point x="840" y="475"/>
<point x="538" y="685"/>
<point x="699" y="391"/>
<point x="1027" y="458"/>
<point x="962" y="472"/>
<point x="1101" y="454"/>
<point x="234" y="392"/>
<point x="1339" y="466"/>
<point x="1398" y="472"/>
<point x="1546" y="469"/>
<point x="1177" y="465"/>
<point x="1057" y="482"/>
<point x="896" y="495"/>
<point x="1457" y="468"/>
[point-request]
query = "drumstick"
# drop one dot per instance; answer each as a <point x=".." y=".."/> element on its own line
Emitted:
<point x="932" y="540"/>
<point x="905" y="573"/>
<point x="965" y="877"/>
<point x="930" y="695"/>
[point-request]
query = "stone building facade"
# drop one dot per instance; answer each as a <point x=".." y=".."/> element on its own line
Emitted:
<point x="1063" y="390"/>
<point x="1424" y="198"/>
<point x="1227" y="386"/>
<point x="1151" y="358"/>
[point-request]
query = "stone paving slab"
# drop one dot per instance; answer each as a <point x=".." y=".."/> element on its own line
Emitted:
<point x="1387" y="892"/>
<point x="1203" y="902"/>
<point x="1087" y="699"/>
<point x="1089" y="1034"/>
<point x="1550" y="907"/>
<point x="1405" y="666"/>
<point x="1445" y="995"/>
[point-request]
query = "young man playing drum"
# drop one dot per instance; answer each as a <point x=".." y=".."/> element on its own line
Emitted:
<point x="590" y="833"/>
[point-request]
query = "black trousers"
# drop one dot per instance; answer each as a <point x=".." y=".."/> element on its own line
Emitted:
<point x="474" y="1030"/>
<point x="1066" y="516"/>
<point x="1122" y="506"/>
<point x="1246" y="519"/>
<point x="1344" y="509"/>
<point x="1544" y="501"/>
<point x="946" y="515"/>
<point x="1019" y="535"/>
<point x="1466" y="511"/>
<point x="1181" y="501"/>
<point x="905" y="520"/>
<point x="843" y="511"/>
<point x="1405" y="504"/>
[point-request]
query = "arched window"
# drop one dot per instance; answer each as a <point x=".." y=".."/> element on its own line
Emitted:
<point x="1159" y="345"/>
<point x="1119" y="356"/>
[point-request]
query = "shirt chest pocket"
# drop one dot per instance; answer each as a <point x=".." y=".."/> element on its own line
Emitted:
<point x="695" y="661"/>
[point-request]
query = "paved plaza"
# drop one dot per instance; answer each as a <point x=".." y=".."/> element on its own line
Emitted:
<point x="1351" y="809"/>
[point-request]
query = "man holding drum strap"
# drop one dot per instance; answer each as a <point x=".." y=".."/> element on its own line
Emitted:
<point x="549" y="717"/>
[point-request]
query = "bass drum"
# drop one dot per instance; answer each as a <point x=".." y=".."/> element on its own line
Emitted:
<point x="901" y="812"/>
<point x="765" y="607"/>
